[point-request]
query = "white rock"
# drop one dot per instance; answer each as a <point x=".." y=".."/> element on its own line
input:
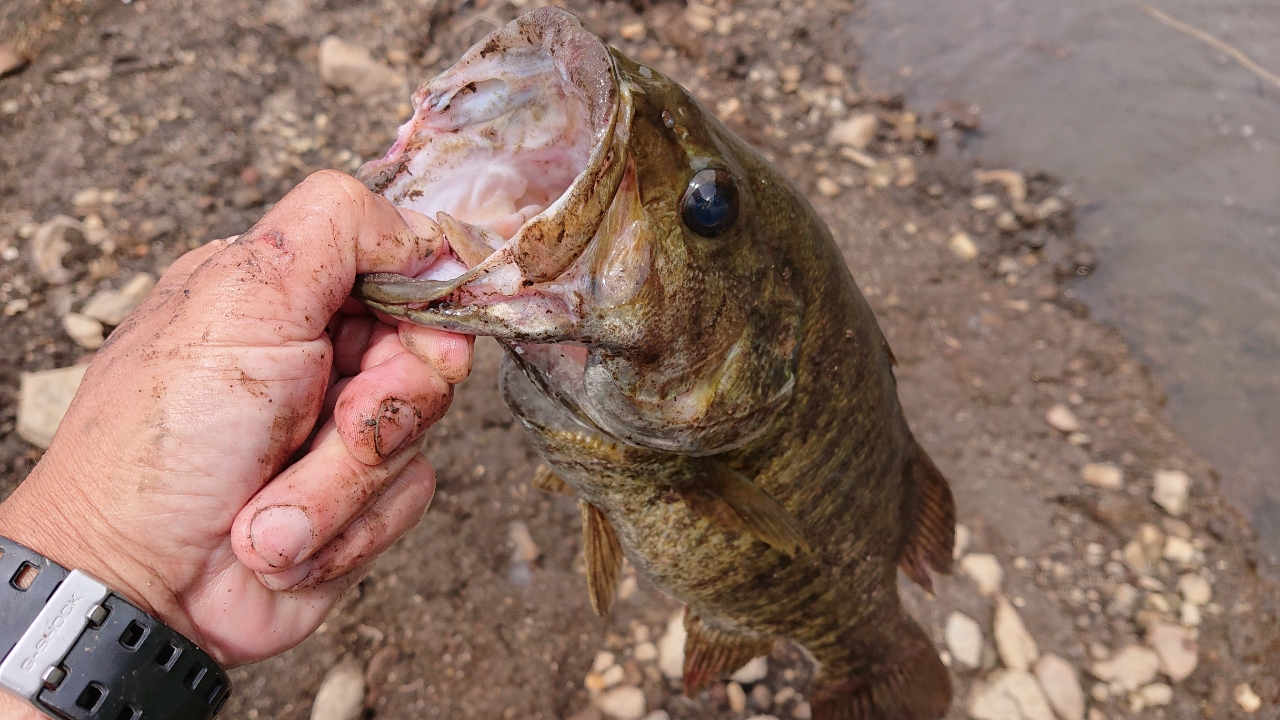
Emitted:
<point x="613" y="675"/>
<point x="962" y="541"/>
<point x="1061" y="686"/>
<point x="857" y="132"/>
<point x="43" y="399"/>
<point x="754" y="671"/>
<point x="1009" y="695"/>
<point x="984" y="202"/>
<point x="658" y="715"/>
<point x="646" y="652"/>
<point x="1195" y="589"/>
<point x="1014" y="182"/>
<point x="737" y="697"/>
<point x="671" y="647"/>
<point x="87" y="332"/>
<point x="1156" y="694"/>
<point x="351" y="68"/>
<point x="622" y="703"/>
<point x="985" y="570"/>
<point x="1170" y="491"/>
<point x="963" y="246"/>
<point x="524" y="549"/>
<point x="111" y="307"/>
<point x="1177" y="550"/>
<point x="1175" y="650"/>
<point x="1061" y="418"/>
<point x="802" y="711"/>
<point x="604" y="660"/>
<point x="1131" y="668"/>
<point x="51" y="242"/>
<point x="1016" y="647"/>
<point x="964" y="639"/>
<point x="1104" y="475"/>
<point x="341" y="693"/>
<point x="1189" y="614"/>
<point x="1049" y="207"/>
<point x="828" y="187"/>
<point x="1247" y="699"/>
<point x="761" y="697"/>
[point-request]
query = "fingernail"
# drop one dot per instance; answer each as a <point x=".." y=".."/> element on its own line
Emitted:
<point x="396" y="423"/>
<point x="280" y="534"/>
<point x="288" y="579"/>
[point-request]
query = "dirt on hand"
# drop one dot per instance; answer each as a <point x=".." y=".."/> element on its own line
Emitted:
<point x="158" y="125"/>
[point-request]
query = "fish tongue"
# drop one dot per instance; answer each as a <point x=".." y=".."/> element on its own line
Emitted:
<point x="472" y="244"/>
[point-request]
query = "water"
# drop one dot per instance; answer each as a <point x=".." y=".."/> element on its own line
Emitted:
<point x="1177" y="148"/>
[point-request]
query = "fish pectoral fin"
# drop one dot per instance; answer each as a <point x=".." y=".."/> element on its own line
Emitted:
<point x="931" y="534"/>
<point x="546" y="480"/>
<point x="711" y="653"/>
<point x="764" y="517"/>
<point x="603" y="555"/>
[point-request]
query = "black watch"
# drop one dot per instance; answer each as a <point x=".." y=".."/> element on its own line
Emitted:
<point x="77" y="651"/>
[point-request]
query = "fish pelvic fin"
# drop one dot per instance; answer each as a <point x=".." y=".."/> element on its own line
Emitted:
<point x="763" y="516"/>
<point x="603" y="555"/>
<point x="546" y="480"/>
<point x="908" y="683"/>
<point x="931" y="521"/>
<point x="711" y="653"/>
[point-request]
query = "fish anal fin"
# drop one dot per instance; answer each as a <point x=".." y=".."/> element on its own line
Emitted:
<point x="546" y="480"/>
<point x="930" y="521"/>
<point x="762" y="516"/>
<point x="603" y="555"/>
<point x="710" y="653"/>
<point x="909" y="682"/>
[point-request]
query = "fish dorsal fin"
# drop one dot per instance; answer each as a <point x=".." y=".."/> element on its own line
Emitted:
<point x="546" y="480"/>
<point x="931" y="524"/>
<point x="603" y="555"/>
<point x="762" y="515"/>
<point x="711" y="653"/>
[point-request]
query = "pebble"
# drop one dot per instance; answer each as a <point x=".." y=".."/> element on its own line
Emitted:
<point x="1104" y="475"/>
<point x="1016" y="646"/>
<point x="985" y="202"/>
<point x="737" y="697"/>
<point x="43" y="399"/>
<point x="964" y="639"/>
<point x="882" y="175"/>
<point x="833" y="74"/>
<point x="963" y="246"/>
<point x="614" y="675"/>
<point x="604" y="659"/>
<point x="1170" y="491"/>
<point x="828" y="187"/>
<point x="1096" y="714"/>
<point x="761" y="697"/>
<point x="857" y="132"/>
<point x="634" y="32"/>
<point x="1195" y="589"/>
<point x="1008" y="222"/>
<point x="1131" y="668"/>
<point x="341" y="693"/>
<point x="802" y="711"/>
<point x="111" y="307"/>
<point x="1189" y="614"/>
<point x="1156" y="694"/>
<point x="1009" y="695"/>
<point x="646" y="652"/>
<point x="962" y="541"/>
<point x="671" y="647"/>
<point x="349" y="67"/>
<point x="51" y="242"/>
<point x="622" y="703"/>
<point x="658" y="715"/>
<point x="753" y="672"/>
<point x="1061" y="686"/>
<point x="1048" y="208"/>
<point x="1014" y="182"/>
<point x="985" y="571"/>
<point x="1121" y="604"/>
<point x="524" y="549"/>
<point x="1062" y="419"/>
<point x="1247" y="699"/>
<point x="1179" y="551"/>
<point x="1175" y="650"/>
<point x="87" y="332"/>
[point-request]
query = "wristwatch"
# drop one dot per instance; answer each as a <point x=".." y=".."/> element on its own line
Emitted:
<point x="77" y="651"/>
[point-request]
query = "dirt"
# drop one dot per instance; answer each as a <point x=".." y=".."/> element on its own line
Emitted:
<point x="202" y="114"/>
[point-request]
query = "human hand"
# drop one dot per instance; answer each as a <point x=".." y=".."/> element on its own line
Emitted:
<point x="246" y="443"/>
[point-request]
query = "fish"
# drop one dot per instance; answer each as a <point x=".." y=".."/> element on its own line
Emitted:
<point x="688" y="352"/>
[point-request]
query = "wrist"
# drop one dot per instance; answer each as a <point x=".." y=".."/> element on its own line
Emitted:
<point x="15" y="708"/>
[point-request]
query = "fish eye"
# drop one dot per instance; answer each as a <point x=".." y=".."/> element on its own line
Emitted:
<point x="710" y="204"/>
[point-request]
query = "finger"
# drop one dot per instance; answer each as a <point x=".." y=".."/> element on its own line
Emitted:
<point x="449" y="353"/>
<point x="171" y="281"/>
<point x="393" y="514"/>
<point x="384" y="344"/>
<point x="387" y="406"/>
<point x="309" y="503"/>
<point x="350" y="342"/>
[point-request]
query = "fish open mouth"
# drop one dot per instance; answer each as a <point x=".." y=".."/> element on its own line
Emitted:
<point x="516" y="152"/>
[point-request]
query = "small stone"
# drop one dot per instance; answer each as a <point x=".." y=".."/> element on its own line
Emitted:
<point x="906" y="170"/>
<point x="1061" y="686"/>
<point x="1156" y="694"/>
<point x="963" y="246"/>
<point x="1175" y="650"/>
<point x="634" y="32"/>
<point x="1247" y="699"/>
<point x="882" y="174"/>
<point x="627" y="587"/>
<point x="1189" y="615"/>
<point x="833" y="74"/>
<point x="857" y="132"/>
<point x="1048" y="208"/>
<point x="1177" y="550"/>
<point x="1131" y="668"/>
<point x="43" y="399"/>
<point x="1170" y="491"/>
<point x="622" y="703"/>
<point x="828" y="187"/>
<point x="349" y="67"/>
<point x="753" y="672"/>
<point x="737" y="697"/>
<point x="985" y="571"/>
<point x="1009" y="695"/>
<point x="802" y="711"/>
<point x="1014" y="182"/>
<point x="791" y="74"/>
<point x="1096" y="714"/>
<point x="594" y="682"/>
<point x="111" y="307"/>
<point x="646" y="652"/>
<point x="1104" y="475"/>
<point x="985" y="202"/>
<point x="761" y="697"/>
<point x="963" y="536"/>
<point x="1121" y="604"/>
<point x="51" y="242"/>
<point x="671" y="647"/>
<point x="523" y="549"/>
<point x="341" y="693"/>
<point x="614" y="675"/>
<point x="1008" y="222"/>
<point x="86" y="331"/>
<point x="727" y="107"/>
<point x="1099" y="692"/>
<point x="1016" y="646"/>
<point x="964" y="639"/>
<point x="697" y="18"/>
<point x="658" y="715"/>
<point x="1195" y="589"/>
<point x="1062" y="419"/>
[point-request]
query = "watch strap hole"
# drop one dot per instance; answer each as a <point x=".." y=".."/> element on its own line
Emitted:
<point x="129" y="712"/>
<point x="91" y="697"/>
<point x="168" y="655"/>
<point x="133" y="635"/>
<point x="194" y="676"/>
<point x="25" y="577"/>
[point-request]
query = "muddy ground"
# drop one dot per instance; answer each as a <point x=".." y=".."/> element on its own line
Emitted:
<point x="199" y="115"/>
